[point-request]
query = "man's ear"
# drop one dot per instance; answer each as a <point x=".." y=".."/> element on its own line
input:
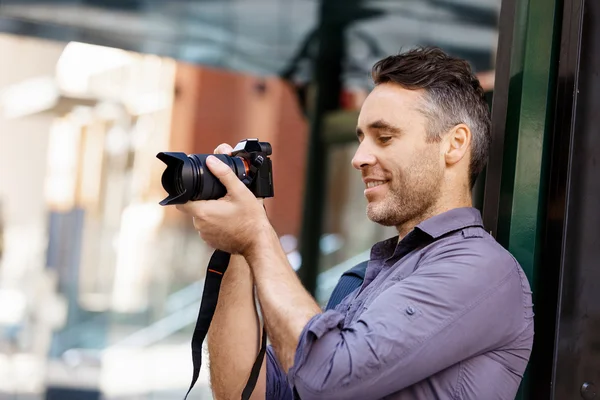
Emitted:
<point x="458" y="142"/>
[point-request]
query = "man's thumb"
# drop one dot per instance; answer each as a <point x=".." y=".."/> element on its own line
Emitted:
<point x="223" y="173"/>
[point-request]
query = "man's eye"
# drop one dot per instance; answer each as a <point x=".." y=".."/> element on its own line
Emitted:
<point x="385" y="139"/>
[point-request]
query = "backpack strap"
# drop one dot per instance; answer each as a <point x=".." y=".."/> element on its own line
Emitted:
<point x="349" y="281"/>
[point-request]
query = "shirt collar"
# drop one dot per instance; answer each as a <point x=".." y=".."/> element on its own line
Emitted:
<point x="449" y="221"/>
<point x="434" y="227"/>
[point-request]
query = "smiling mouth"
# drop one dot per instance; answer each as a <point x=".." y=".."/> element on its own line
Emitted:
<point x="374" y="184"/>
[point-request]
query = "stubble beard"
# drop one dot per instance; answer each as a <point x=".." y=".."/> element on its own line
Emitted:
<point x="408" y="199"/>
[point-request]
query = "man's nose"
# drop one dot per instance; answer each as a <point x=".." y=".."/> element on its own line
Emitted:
<point x="363" y="157"/>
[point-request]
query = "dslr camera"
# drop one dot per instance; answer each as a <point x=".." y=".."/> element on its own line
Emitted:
<point x="187" y="178"/>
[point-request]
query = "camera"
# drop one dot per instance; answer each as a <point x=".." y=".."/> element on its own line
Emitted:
<point x="187" y="178"/>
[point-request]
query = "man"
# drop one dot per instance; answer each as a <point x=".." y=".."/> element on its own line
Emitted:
<point x="444" y="311"/>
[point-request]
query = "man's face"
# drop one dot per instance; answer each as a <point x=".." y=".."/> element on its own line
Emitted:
<point x="403" y="171"/>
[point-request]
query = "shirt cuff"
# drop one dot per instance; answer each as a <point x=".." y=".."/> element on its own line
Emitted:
<point x="316" y="327"/>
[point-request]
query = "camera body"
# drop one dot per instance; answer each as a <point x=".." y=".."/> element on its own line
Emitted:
<point x="187" y="178"/>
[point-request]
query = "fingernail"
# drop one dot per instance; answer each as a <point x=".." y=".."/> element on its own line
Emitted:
<point x="211" y="160"/>
<point x="214" y="163"/>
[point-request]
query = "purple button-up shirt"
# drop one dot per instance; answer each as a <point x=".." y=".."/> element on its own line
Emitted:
<point x="446" y="313"/>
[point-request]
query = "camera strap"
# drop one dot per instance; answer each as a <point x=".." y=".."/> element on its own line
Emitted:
<point x="216" y="268"/>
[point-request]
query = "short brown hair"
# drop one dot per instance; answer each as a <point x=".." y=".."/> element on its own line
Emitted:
<point x="453" y="95"/>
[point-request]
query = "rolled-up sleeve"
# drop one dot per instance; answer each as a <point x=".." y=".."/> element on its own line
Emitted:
<point x="456" y="305"/>
<point x="318" y="326"/>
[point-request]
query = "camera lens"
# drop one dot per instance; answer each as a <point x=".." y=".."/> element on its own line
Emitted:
<point x="187" y="178"/>
<point x="206" y="185"/>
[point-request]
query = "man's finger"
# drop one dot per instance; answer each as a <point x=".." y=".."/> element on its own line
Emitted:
<point x="201" y="210"/>
<point x="187" y="208"/>
<point x="223" y="148"/>
<point x="219" y="169"/>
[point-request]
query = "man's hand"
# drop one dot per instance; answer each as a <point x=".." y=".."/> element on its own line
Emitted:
<point x="238" y="224"/>
<point x="224" y="148"/>
<point x="232" y="223"/>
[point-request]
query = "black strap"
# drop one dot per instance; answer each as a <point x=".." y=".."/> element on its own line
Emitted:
<point x="216" y="269"/>
<point x="255" y="372"/>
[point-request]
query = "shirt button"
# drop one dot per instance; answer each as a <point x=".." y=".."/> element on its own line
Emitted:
<point x="410" y="310"/>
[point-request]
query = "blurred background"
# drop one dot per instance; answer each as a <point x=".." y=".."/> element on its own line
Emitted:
<point x="99" y="285"/>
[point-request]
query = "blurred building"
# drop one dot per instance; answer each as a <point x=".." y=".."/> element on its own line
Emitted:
<point x="90" y="258"/>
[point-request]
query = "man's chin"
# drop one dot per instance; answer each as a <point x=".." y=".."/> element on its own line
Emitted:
<point x="380" y="217"/>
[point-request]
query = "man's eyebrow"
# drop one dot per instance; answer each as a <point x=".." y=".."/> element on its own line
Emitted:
<point x="381" y="125"/>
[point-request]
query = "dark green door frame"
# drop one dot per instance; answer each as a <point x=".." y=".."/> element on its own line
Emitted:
<point x="516" y="189"/>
